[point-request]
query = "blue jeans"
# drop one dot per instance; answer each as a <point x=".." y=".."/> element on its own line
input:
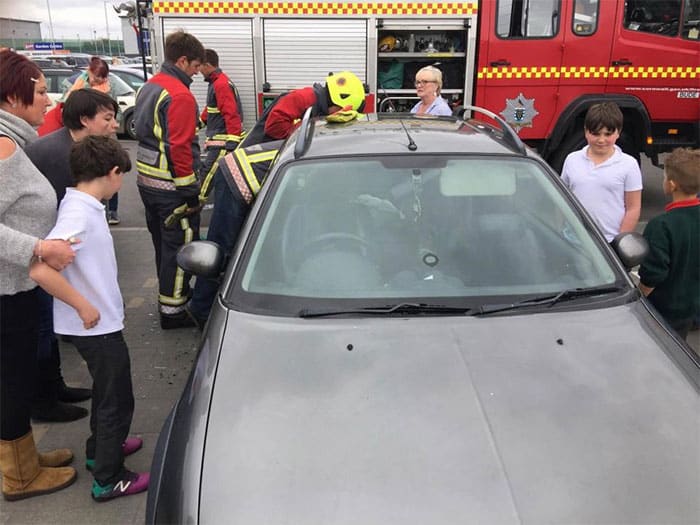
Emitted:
<point x="113" y="203"/>
<point x="224" y="226"/>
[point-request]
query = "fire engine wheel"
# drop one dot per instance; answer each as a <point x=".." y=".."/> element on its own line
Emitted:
<point x="572" y="142"/>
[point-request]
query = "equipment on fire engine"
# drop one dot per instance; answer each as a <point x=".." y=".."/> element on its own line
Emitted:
<point x="345" y="89"/>
<point x="387" y="44"/>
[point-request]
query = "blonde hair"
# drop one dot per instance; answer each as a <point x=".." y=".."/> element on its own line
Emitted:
<point x="682" y="166"/>
<point x="437" y="76"/>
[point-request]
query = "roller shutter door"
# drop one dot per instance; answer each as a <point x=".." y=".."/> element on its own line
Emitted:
<point x="299" y="52"/>
<point x="232" y="39"/>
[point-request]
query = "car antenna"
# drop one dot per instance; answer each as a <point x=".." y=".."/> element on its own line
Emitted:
<point x="411" y="144"/>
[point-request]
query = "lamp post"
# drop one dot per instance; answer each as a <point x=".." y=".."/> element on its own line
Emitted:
<point x="53" y="41"/>
<point x="109" y="39"/>
<point x="14" y="46"/>
<point x="94" y="34"/>
<point x="80" y="45"/>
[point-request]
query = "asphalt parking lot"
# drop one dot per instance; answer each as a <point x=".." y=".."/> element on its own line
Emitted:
<point x="161" y="362"/>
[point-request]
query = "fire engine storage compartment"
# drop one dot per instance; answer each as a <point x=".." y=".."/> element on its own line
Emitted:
<point x="404" y="47"/>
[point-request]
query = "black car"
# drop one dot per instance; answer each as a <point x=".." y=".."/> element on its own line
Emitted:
<point x="420" y="324"/>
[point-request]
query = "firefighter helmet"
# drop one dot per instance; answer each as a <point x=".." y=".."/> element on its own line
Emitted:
<point x="345" y="89"/>
<point x="386" y="44"/>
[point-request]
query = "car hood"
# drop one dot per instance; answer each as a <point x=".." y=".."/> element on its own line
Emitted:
<point x="542" y="418"/>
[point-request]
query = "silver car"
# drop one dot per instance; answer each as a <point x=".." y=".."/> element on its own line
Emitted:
<point x="420" y="324"/>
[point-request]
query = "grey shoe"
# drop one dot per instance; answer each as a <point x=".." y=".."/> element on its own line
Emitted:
<point x="112" y="217"/>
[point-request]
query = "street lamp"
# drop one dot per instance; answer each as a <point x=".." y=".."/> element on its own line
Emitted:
<point x="94" y="34"/>
<point x="80" y="46"/>
<point x="109" y="39"/>
<point x="14" y="46"/>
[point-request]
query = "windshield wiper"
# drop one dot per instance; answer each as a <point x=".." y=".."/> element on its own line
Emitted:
<point x="400" y="308"/>
<point x="548" y="300"/>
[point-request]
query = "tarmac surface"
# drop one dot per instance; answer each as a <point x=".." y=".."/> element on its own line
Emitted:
<point x="160" y="364"/>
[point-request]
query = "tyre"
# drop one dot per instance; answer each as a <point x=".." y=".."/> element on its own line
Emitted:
<point x="629" y="146"/>
<point x="574" y="141"/>
<point x="130" y="126"/>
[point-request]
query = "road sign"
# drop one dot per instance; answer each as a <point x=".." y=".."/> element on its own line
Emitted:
<point x="47" y="46"/>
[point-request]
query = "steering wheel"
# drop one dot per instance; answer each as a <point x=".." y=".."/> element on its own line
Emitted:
<point x="325" y="239"/>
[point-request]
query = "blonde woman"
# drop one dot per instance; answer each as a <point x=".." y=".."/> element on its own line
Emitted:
<point x="428" y="87"/>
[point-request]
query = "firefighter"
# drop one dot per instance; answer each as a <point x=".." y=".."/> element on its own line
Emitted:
<point x="343" y="94"/>
<point x="222" y="117"/>
<point x="340" y="91"/>
<point x="168" y="162"/>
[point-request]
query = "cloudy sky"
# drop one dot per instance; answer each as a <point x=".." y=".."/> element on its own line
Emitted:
<point x="70" y="18"/>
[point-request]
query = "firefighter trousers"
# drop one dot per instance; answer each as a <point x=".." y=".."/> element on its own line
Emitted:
<point x="173" y="282"/>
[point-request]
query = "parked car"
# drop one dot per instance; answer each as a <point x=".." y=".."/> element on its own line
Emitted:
<point x="59" y="81"/>
<point x="132" y="76"/>
<point x="420" y="324"/>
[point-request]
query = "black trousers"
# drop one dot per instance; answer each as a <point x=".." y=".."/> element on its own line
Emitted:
<point x="107" y="358"/>
<point x="173" y="283"/>
<point x="48" y="356"/>
<point x="19" y="334"/>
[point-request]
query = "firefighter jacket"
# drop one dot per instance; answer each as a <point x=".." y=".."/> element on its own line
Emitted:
<point x="223" y="112"/>
<point x="244" y="169"/>
<point x="166" y="127"/>
<point x="284" y="116"/>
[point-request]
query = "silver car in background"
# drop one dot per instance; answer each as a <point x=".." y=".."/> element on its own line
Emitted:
<point x="420" y="324"/>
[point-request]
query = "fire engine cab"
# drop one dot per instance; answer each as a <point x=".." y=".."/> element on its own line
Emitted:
<point x="538" y="63"/>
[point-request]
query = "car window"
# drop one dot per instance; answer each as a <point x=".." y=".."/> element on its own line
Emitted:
<point x="455" y="228"/>
<point x="134" y="81"/>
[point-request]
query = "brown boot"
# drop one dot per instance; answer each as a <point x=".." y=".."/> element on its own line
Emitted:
<point x="22" y="477"/>
<point x="56" y="458"/>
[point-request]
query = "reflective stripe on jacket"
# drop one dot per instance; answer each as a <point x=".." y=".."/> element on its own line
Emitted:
<point x="223" y="113"/>
<point x="166" y="128"/>
<point x="244" y="169"/>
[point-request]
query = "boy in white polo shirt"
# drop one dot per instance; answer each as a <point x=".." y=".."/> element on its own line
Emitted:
<point x="90" y="309"/>
<point x="606" y="181"/>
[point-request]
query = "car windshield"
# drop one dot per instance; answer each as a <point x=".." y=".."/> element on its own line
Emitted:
<point x="381" y="230"/>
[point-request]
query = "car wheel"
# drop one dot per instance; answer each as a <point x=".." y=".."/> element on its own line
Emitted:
<point x="130" y="126"/>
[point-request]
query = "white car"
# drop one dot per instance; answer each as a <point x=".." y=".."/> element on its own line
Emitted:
<point x="59" y="80"/>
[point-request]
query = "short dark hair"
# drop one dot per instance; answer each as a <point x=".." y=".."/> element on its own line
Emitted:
<point x="179" y="44"/>
<point x="85" y="103"/>
<point x="18" y="75"/>
<point x="211" y="57"/>
<point x="95" y="156"/>
<point x="603" y="115"/>
<point x="682" y="166"/>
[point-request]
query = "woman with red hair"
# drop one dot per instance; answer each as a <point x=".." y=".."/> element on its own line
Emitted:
<point x="27" y="214"/>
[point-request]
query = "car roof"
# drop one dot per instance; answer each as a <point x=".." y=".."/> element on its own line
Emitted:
<point x="393" y="133"/>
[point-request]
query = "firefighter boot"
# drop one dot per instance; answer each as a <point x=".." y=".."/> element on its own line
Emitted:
<point x="23" y="477"/>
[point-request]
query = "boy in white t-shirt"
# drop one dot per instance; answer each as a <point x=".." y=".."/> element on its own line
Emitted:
<point x="606" y="181"/>
<point x="90" y="309"/>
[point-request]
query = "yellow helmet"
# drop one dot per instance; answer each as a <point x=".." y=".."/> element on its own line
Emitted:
<point x="386" y="44"/>
<point x="345" y="89"/>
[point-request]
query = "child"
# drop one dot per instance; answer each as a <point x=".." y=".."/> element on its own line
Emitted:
<point x="606" y="181"/>
<point x="670" y="275"/>
<point x="90" y="309"/>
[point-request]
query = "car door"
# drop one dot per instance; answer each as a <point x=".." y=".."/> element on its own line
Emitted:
<point x="521" y="43"/>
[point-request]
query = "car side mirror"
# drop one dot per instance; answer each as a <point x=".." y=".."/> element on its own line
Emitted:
<point x="201" y="258"/>
<point x="631" y="247"/>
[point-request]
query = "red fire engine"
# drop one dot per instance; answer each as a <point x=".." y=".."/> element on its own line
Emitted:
<point x="538" y="63"/>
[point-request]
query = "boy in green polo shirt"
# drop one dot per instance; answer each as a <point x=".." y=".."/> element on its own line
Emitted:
<point x="670" y="275"/>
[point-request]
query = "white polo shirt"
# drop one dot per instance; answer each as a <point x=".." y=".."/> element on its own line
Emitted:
<point x="601" y="189"/>
<point x="93" y="272"/>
